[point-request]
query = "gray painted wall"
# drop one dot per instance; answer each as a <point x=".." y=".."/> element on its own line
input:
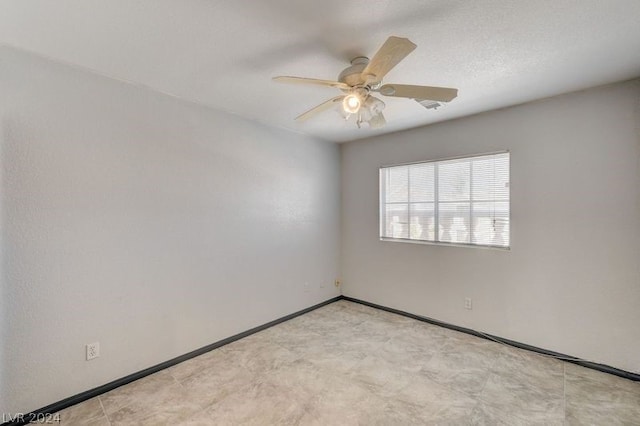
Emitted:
<point x="148" y="224"/>
<point x="571" y="281"/>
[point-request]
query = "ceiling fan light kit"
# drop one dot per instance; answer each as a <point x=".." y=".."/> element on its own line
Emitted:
<point x="351" y="104"/>
<point x="364" y="76"/>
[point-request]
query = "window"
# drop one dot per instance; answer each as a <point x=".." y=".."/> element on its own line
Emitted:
<point x="456" y="201"/>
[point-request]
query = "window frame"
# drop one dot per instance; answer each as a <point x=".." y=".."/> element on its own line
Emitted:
<point x="382" y="205"/>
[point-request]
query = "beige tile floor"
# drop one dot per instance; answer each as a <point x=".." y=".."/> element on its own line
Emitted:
<point x="348" y="364"/>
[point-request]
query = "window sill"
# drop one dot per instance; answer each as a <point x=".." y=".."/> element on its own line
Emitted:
<point x="441" y="243"/>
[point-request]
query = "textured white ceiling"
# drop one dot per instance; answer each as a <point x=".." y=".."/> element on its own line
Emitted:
<point x="223" y="54"/>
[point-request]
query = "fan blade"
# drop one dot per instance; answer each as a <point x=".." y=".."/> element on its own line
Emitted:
<point x="428" y="104"/>
<point x="302" y="80"/>
<point x="442" y="94"/>
<point x="394" y="50"/>
<point x="317" y="109"/>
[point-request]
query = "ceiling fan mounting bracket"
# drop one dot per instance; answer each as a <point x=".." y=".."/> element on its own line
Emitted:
<point x="360" y="60"/>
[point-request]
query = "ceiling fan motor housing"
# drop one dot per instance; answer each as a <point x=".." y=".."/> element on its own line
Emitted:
<point x="352" y="75"/>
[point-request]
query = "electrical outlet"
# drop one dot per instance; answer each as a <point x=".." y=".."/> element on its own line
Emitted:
<point x="306" y="287"/>
<point x="337" y="283"/>
<point x="468" y="304"/>
<point x="93" y="350"/>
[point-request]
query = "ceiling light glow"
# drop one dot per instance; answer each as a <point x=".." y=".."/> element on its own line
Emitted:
<point x="351" y="104"/>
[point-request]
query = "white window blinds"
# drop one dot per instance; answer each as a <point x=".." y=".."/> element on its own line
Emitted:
<point x="458" y="201"/>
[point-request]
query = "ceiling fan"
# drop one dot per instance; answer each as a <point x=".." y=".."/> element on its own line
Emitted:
<point x="363" y="77"/>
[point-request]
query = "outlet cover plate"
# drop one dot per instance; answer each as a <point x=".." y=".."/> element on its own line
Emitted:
<point x="93" y="350"/>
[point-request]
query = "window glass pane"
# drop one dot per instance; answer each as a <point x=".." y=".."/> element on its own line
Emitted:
<point x="397" y="184"/>
<point x="422" y="182"/>
<point x="454" y="222"/>
<point x="454" y="180"/>
<point x="397" y="225"/>
<point x="491" y="223"/>
<point x="490" y="177"/>
<point x="502" y="224"/>
<point x="422" y="222"/>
